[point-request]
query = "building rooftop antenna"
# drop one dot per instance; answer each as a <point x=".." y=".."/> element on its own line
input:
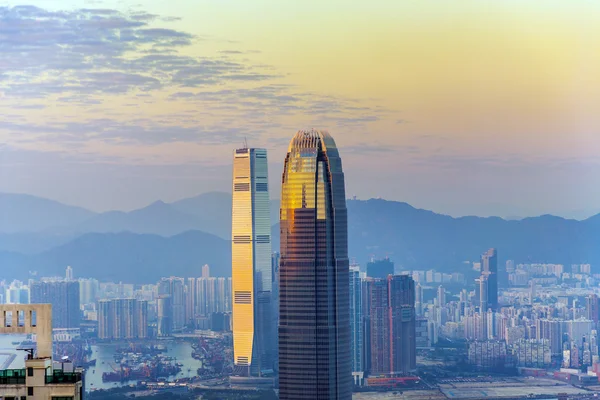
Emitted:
<point x="245" y="143"/>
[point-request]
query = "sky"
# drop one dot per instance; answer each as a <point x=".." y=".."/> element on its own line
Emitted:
<point x="465" y="108"/>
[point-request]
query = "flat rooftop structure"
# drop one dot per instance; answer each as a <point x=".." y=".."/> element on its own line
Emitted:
<point x="512" y="387"/>
<point x="24" y="319"/>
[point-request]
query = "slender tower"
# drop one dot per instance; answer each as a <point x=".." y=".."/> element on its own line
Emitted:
<point x="314" y="325"/>
<point x="253" y="331"/>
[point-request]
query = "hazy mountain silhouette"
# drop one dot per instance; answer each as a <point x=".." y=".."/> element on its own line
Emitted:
<point x="127" y="257"/>
<point x="213" y="210"/>
<point x="157" y="218"/>
<point x="413" y="238"/>
<point x="25" y="213"/>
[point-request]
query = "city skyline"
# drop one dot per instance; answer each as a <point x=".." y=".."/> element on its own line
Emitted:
<point x="492" y="101"/>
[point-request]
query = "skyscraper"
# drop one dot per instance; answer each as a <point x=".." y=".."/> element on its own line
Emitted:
<point x="275" y="306"/>
<point x="402" y="323"/>
<point x="356" y="325"/>
<point x="392" y="325"/>
<point x="379" y="327"/>
<point x="489" y="267"/>
<point x="314" y="325"/>
<point x="253" y="330"/>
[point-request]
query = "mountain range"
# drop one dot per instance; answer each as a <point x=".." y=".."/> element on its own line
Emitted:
<point x="41" y="237"/>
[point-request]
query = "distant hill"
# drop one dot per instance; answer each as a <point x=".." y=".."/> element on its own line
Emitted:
<point x="118" y="244"/>
<point x="423" y="239"/>
<point x="127" y="257"/>
<point x="25" y="213"/>
<point x="158" y="218"/>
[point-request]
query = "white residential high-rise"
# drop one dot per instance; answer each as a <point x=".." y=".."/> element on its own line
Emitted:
<point x="69" y="274"/>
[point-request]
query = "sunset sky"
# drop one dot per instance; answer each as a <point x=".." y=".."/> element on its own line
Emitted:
<point x="465" y="108"/>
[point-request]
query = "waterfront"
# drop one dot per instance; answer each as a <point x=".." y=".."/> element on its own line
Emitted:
<point x="104" y="355"/>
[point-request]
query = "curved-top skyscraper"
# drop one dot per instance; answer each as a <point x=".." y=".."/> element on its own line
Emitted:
<point x="314" y="326"/>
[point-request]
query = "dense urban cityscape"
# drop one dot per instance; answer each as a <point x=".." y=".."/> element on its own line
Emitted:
<point x="307" y="322"/>
<point x="299" y="200"/>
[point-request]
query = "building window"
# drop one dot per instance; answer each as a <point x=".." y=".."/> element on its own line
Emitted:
<point x="29" y="371"/>
<point x="29" y="391"/>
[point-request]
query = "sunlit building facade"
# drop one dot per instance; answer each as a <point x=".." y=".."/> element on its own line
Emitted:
<point x="314" y="325"/>
<point x="253" y="330"/>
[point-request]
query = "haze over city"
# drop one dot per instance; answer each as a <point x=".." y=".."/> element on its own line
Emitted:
<point x="465" y="109"/>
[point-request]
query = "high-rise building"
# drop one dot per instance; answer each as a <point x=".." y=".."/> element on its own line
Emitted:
<point x="69" y="274"/>
<point x="402" y="324"/>
<point x="441" y="296"/>
<point x="314" y="327"/>
<point x="251" y="268"/>
<point x="392" y="325"/>
<point x="275" y="306"/>
<point x="380" y="268"/>
<point x="190" y="301"/>
<point x="379" y="327"/>
<point x="419" y="300"/>
<point x="122" y="319"/>
<point x="88" y="291"/>
<point x="175" y="288"/>
<point x="484" y="288"/>
<point x="64" y="297"/>
<point x="205" y="271"/>
<point x="212" y="295"/>
<point x="165" y="315"/>
<point x="489" y="267"/>
<point x="356" y="325"/>
<point x="593" y="307"/>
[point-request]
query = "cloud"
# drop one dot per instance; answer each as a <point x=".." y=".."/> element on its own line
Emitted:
<point x="106" y="65"/>
<point x="91" y="51"/>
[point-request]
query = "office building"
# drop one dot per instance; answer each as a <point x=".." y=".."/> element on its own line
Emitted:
<point x="122" y="319"/>
<point x="356" y="325"/>
<point x="64" y="298"/>
<point x="380" y="268"/>
<point x="275" y="306"/>
<point x="379" y="327"/>
<point x="392" y="325"/>
<point x="314" y="327"/>
<point x="402" y="324"/>
<point x="251" y="267"/>
<point x="489" y="268"/>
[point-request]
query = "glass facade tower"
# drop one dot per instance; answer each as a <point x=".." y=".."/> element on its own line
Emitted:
<point x="314" y="324"/>
<point x="253" y="330"/>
